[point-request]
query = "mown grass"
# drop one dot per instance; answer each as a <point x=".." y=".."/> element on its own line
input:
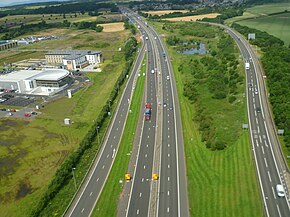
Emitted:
<point x="259" y="17"/>
<point x="108" y="201"/>
<point x="220" y="183"/>
<point x="38" y="147"/>
<point x="277" y="25"/>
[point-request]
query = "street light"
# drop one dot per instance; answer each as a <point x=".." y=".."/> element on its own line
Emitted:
<point x="72" y="169"/>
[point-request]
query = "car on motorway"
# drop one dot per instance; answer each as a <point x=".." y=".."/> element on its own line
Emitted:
<point x="280" y="190"/>
<point x="164" y="105"/>
<point x="258" y="109"/>
<point x="152" y="71"/>
<point x="27" y="115"/>
<point x="127" y="177"/>
<point x="167" y="77"/>
<point x="155" y="176"/>
<point x="256" y="91"/>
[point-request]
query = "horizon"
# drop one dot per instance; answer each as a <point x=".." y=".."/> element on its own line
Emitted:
<point x="6" y="3"/>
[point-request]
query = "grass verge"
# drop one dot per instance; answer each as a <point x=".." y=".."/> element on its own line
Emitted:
<point x="108" y="201"/>
<point x="220" y="183"/>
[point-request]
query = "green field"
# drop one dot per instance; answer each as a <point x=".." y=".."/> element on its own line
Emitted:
<point x="277" y="25"/>
<point x="220" y="183"/>
<point x="107" y="205"/>
<point x="32" y="150"/>
<point x="259" y="17"/>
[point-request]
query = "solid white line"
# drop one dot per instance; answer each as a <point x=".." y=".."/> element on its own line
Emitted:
<point x="269" y="176"/>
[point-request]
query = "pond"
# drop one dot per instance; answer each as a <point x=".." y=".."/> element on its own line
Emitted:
<point x="200" y="50"/>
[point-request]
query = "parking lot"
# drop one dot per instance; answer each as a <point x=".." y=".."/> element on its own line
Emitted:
<point x="18" y="101"/>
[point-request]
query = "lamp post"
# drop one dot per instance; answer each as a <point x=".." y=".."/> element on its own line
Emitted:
<point x="72" y="169"/>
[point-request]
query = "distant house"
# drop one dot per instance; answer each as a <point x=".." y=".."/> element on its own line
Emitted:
<point x="73" y="59"/>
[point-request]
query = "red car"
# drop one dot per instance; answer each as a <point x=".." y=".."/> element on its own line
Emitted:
<point x="12" y="110"/>
<point x="27" y="115"/>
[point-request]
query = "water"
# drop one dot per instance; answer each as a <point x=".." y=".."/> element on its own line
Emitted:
<point x="200" y="50"/>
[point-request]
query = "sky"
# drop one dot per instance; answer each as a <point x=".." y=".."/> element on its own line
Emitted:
<point x="4" y="3"/>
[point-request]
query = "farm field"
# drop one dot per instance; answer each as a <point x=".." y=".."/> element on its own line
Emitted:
<point x="277" y="25"/>
<point x="162" y="12"/>
<point x="192" y="18"/>
<point x="221" y="182"/>
<point x="260" y="10"/>
<point x="113" y="27"/>
<point x="32" y="150"/>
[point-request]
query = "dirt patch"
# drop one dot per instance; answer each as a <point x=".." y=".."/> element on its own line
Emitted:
<point x="162" y="12"/>
<point x="113" y="27"/>
<point x="10" y="142"/>
<point x="9" y="163"/>
<point x="23" y="189"/>
<point x="193" y="18"/>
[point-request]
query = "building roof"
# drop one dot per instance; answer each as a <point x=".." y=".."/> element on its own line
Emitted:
<point x="52" y="75"/>
<point x="72" y="52"/>
<point x="19" y="75"/>
<point x="47" y="74"/>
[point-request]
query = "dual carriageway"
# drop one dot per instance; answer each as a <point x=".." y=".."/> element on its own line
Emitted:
<point x="160" y="147"/>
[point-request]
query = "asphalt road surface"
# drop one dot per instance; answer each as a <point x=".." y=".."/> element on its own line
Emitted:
<point x="267" y="159"/>
<point x="171" y="195"/>
<point x="88" y="194"/>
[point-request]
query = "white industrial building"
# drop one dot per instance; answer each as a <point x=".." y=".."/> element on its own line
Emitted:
<point x="39" y="82"/>
<point x="74" y="59"/>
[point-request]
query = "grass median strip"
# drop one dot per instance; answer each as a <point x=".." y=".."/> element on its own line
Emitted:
<point x="108" y="201"/>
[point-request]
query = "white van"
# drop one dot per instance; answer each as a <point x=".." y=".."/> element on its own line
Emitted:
<point x="280" y="190"/>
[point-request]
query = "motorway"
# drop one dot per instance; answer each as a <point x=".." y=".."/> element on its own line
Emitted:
<point x="88" y="194"/>
<point x="267" y="159"/>
<point x="161" y="145"/>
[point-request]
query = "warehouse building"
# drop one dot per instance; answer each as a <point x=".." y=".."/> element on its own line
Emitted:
<point x="39" y="82"/>
<point x="73" y="59"/>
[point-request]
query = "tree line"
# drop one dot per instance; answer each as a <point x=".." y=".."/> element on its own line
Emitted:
<point x="276" y="64"/>
<point x="30" y="28"/>
<point x="63" y="8"/>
